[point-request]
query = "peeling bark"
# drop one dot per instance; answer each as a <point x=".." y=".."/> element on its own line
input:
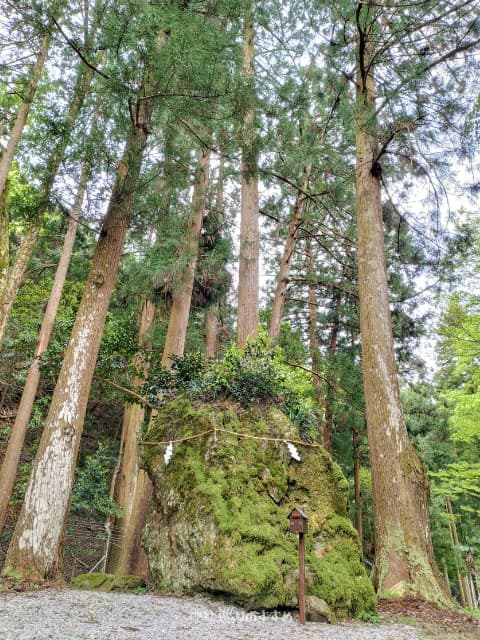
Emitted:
<point x="9" y="466"/>
<point x="35" y="548"/>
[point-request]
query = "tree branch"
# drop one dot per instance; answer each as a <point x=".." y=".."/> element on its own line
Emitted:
<point x="75" y="47"/>
<point x="128" y="391"/>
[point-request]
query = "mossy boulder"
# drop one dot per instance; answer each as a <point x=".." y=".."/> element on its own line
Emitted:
<point x="219" y="515"/>
<point x="107" y="582"/>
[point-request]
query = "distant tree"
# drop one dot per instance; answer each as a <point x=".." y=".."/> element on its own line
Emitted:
<point x="248" y="273"/>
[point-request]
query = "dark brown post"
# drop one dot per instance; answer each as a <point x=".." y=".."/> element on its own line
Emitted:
<point x="298" y="524"/>
<point x="301" y="577"/>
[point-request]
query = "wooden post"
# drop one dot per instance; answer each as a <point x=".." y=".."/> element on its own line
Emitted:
<point x="301" y="577"/>
<point x="299" y="524"/>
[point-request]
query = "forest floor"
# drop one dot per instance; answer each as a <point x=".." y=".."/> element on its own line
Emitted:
<point x="64" y="614"/>
<point x="435" y="623"/>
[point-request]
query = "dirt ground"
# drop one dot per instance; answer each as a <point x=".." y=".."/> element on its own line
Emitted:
<point x="438" y="624"/>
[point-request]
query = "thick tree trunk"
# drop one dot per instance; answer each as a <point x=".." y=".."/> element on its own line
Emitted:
<point x="132" y="488"/>
<point x="248" y="271"/>
<point x="35" y="548"/>
<point x="278" y="307"/>
<point x="404" y="561"/>
<point x="182" y="298"/>
<point x="6" y="158"/>
<point x="8" y="469"/>
<point x="11" y="284"/>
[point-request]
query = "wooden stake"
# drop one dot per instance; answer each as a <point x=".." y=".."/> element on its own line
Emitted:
<point x="301" y="578"/>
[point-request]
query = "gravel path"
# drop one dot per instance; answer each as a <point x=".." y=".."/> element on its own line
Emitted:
<point x="87" y="615"/>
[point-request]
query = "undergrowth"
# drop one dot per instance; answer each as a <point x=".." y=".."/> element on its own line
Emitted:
<point x="257" y="373"/>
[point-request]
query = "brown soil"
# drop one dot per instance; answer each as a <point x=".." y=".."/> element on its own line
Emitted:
<point x="439" y="624"/>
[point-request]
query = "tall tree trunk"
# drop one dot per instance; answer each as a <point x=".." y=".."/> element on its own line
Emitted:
<point x="462" y="586"/>
<point x="248" y="272"/>
<point x="14" y="279"/>
<point x="6" y="158"/>
<point x="329" y="394"/>
<point x="11" y="284"/>
<point x="4" y="237"/>
<point x="213" y="311"/>
<point x="182" y="298"/>
<point x="132" y="489"/>
<point x="211" y="331"/>
<point x="404" y="561"/>
<point x="35" y="548"/>
<point x="312" y="331"/>
<point x="278" y="307"/>
<point x="357" y="487"/>
<point x="9" y="466"/>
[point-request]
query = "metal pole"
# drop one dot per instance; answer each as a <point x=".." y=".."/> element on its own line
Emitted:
<point x="301" y="577"/>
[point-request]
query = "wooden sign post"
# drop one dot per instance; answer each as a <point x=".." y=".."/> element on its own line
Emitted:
<point x="298" y="524"/>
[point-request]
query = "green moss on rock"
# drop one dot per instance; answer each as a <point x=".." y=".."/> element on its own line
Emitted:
<point x="219" y="519"/>
<point x="107" y="582"/>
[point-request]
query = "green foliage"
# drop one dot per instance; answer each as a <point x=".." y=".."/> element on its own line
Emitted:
<point x="247" y="375"/>
<point x="91" y="488"/>
<point x="22" y="200"/>
<point x="460" y="350"/>
<point x="257" y="373"/>
<point x="458" y="479"/>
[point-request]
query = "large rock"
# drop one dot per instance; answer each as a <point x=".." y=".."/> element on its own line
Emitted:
<point x="219" y="517"/>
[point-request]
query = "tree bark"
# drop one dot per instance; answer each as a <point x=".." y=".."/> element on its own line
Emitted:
<point x="278" y="307"/>
<point x="248" y="271"/>
<point x="462" y="587"/>
<point x="332" y="350"/>
<point x="213" y="311"/>
<point x="9" y="466"/>
<point x="357" y="484"/>
<point x="404" y="561"/>
<point x="6" y="158"/>
<point x="35" y="548"/>
<point x="4" y="237"/>
<point x="182" y="298"/>
<point x="312" y="333"/>
<point x="11" y="284"/>
<point x="211" y="331"/>
<point x="132" y="487"/>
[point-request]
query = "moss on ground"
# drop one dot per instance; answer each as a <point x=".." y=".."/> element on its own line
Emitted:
<point x="219" y="520"/>
<point x="107" y="582"/>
